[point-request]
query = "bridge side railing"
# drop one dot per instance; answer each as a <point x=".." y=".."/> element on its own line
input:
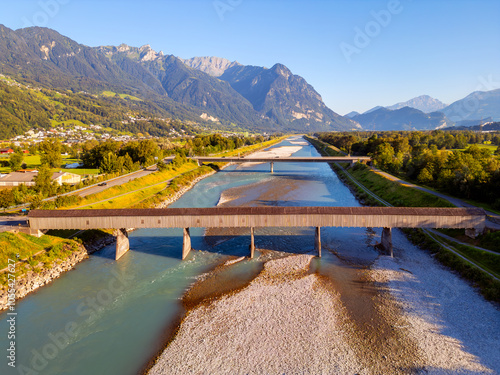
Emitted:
<point x="471" y="219"/>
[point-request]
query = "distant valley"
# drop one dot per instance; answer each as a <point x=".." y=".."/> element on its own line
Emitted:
<point x="209" y="91"/>
<point x="205" y="92"/>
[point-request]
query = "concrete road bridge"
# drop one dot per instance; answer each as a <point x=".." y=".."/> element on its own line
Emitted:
<point x="470" y="219"/>
<point x="291" y="159"/>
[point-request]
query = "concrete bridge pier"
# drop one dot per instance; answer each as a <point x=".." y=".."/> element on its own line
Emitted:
<point x="122" y="242"/>
<point x="473" y="232"/>
<point x="386" y="240"/>
<point x="272" y="167"/>
<point x="200" y="163"/>
<point x="317" y="241"/>
<point x="252" y="243"/>
<point x="186" y="243"/>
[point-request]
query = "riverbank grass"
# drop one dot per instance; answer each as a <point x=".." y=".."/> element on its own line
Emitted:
<point x="30" y="252"/>
<point x="135" y="191"/>
<point x="393" y="192"/>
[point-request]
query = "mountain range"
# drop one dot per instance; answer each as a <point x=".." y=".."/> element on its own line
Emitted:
<point x="206" y="90"/>
<point x="405" y="118"/>
<point x="426" y="113"/>
<point x="423" y="103"/>
<point x="212" y="92"/>
<point x="480" y="105"/>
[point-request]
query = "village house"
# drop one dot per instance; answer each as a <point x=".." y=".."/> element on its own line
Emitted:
<point x="27" y="177"/>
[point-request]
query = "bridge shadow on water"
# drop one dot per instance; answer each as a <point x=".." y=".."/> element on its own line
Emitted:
<point x="230" y="242"/>
<point x="354" y="244"/>
<point x="231" y="245"/>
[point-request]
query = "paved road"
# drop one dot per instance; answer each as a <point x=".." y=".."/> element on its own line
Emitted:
<point x="11" y="222"/>
<point x="95" y="188"/>
<point x="109" y="183"/>
<point x="113" y="182"/>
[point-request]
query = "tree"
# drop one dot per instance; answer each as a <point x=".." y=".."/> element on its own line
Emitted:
<point x="383" y="155"/>
<point x="110" y="164"/>
<point x="93" y="154"/>
<point x="16" y="161"/>
<point x="51" y="153"/>
<point x="128" y="163"/>
<point x="43" y="180"/>
<point x="6" y="198"/>
<point x="33" y="149"/>
<point x="161" y="165"/>
<point x="425" y="176"/>
<point x="36" y="202"/>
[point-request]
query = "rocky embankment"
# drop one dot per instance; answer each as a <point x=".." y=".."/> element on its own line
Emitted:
<point x="31" y="281"/>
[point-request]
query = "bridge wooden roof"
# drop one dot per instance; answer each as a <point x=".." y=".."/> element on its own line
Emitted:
<point x="233" y="217"/>
<point x="383" y="211"/>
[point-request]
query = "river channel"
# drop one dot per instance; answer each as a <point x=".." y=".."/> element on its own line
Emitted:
<point x="108" y="317"/>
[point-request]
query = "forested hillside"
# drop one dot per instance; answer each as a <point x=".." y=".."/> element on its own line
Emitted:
<point x="23" y="108"/>
<point x="41" y="57"/>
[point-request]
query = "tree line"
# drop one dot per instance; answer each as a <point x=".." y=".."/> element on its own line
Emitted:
<point x="452" y="162"/>
<point x="110" y="158"/>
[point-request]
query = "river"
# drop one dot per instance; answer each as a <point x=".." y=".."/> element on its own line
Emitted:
<point x="108" y="317"/>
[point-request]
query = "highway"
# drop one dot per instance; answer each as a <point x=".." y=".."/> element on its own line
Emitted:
<point x="93" y="189"/>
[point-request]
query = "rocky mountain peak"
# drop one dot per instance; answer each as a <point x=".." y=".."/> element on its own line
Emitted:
<point x="212" y="65"/>
<point x="424" y="103"/>
<point x="281" y="70"/>
<point x="123" y="48"/>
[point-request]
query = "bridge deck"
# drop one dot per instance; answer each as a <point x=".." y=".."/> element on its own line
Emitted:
<point x="230" y="217"/>
<point x="311" y="159"/>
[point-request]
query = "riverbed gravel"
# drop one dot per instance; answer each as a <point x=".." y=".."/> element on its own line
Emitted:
<point x="287" y="322"/>
<point x="283" y="322"/>
<point x="456" y="330"/>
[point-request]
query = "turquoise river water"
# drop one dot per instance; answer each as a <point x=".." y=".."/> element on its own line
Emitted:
<point x="108" y="317"/>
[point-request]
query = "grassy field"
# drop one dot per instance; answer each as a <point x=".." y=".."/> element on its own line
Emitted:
<point x="34" y="253"/>
<point x="123" y="96"/>
<point x="492" y="148"/>
<point x="490" y="240"/>
<point x="56" y="123"/>
<point x="33" y="162"/>
<point x="489" y="261"/>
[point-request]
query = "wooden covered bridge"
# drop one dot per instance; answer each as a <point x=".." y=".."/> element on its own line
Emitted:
<point x="255" y="217"/>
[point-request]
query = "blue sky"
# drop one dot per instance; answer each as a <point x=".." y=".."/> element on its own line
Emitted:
<point x="356" y="54"/>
